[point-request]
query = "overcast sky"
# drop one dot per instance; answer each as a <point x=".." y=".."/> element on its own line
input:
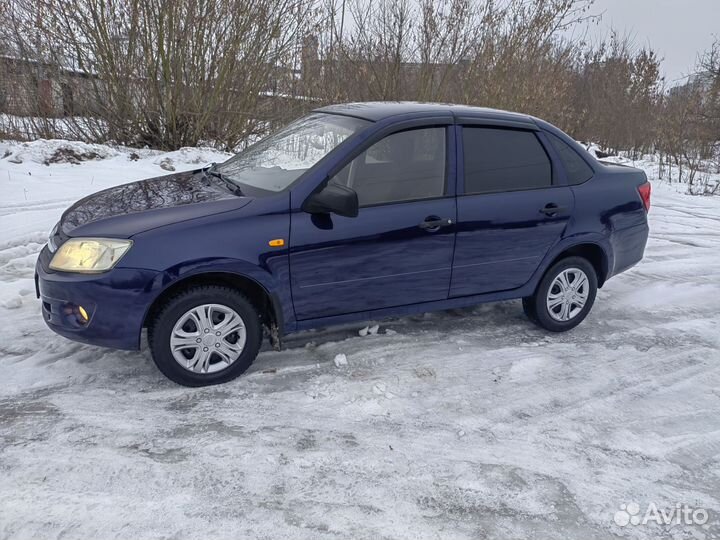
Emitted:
<point x="677" y="29"/>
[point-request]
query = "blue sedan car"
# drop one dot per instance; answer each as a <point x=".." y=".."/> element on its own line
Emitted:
<point x="354" y="212"/>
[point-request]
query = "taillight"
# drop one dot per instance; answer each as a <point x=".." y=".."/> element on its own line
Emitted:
<point x="644" y="191"/>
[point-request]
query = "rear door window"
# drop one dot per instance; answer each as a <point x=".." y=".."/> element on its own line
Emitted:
<point x="499" y="159"/>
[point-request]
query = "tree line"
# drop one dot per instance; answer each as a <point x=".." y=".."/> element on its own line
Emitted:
<point x="224" y="72"/>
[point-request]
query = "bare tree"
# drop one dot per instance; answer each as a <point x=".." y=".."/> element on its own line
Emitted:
<point x="166" y="74"/>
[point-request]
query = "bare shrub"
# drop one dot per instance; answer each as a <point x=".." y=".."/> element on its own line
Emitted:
<point x="165" y="74"/>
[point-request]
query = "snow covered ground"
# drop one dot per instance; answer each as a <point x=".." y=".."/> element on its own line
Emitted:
<point x="465" y="424"/>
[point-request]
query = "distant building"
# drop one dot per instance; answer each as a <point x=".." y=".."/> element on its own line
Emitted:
<point x="33" y="87"/>
<point x="697" y="81"/>
<point x="406" y="74"/>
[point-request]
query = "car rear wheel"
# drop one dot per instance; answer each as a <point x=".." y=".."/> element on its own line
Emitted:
<point x="564" y="296"/>
<point x="205" y="335"/>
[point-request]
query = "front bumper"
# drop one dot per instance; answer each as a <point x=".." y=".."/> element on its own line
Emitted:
<point x="116" y="303"/>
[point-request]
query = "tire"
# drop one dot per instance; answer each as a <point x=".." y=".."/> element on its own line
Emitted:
<point x="215" y="331"/>
<point x="570" y="303"/>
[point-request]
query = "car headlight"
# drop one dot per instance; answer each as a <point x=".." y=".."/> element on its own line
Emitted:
<point x="89" y="254"/>
<point x="51" y="238"/>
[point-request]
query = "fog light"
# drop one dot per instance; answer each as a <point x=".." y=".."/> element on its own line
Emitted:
<point x="83" y="314"/>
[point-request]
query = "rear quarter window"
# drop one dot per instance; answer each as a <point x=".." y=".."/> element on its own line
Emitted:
<point x="578" y="171"/>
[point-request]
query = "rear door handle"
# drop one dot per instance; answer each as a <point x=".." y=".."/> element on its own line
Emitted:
<point x="552" y="209"/>
<point x="434" y="223"/>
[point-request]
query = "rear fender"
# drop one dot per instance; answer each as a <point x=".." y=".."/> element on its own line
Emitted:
<point x="568" y="243"/>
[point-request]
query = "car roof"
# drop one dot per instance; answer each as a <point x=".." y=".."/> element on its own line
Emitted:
<point x="380" y="110"/>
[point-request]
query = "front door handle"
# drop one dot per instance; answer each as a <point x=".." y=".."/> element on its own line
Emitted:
<point x="552" y="209"/>
<point x="434" y="223"/>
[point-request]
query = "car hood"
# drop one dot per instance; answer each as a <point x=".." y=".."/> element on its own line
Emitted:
<point x="128" y="209"/>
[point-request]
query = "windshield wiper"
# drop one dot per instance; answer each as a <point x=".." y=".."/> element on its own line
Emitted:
<point x="212" y="171"/>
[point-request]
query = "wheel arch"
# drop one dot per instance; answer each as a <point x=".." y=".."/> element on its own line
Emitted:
<point x="264" y="301"/>
<point x="593" y="252"/>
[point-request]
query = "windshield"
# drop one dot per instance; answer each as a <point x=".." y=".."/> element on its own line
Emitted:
<point x="278" y="160"/>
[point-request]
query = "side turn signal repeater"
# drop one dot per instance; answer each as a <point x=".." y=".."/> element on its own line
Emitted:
<point x="276" y="242"/>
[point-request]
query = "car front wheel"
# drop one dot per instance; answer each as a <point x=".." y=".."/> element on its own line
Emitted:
<point x="564" y="296"/>
<point x="205" y="335"/>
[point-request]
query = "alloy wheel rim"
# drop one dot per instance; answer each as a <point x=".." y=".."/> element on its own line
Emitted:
<point x="568" y="294"/>
<point x="208" y="338"/>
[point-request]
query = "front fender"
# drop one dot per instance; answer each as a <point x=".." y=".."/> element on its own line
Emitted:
<point x="236" y="243"/>
<point x="274" y="281"/>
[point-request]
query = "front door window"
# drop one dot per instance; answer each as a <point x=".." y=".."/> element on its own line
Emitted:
<point x="404" y="166"/>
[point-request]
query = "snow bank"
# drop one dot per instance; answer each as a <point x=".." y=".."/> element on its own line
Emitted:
<point x="53" y="151"/>
<point x="189" y="156"/>
<point x="705" y="181"/>
<point x="46" y="152"/>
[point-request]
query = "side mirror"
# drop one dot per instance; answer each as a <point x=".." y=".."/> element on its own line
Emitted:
<point x="333" y="198"/>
